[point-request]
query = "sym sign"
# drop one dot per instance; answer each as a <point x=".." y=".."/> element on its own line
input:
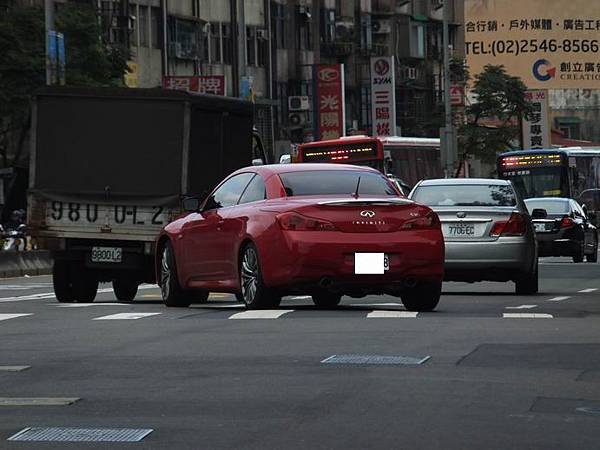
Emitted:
<point x="383" y="96"/>
<point x="329" y="107"/>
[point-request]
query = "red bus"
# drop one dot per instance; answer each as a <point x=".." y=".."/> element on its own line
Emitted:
<point x="407" y="159"/>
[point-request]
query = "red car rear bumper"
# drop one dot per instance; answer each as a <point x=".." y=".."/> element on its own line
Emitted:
<point x="304" y="258"/>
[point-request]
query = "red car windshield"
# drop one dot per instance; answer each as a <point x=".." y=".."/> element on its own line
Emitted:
<point x="335" y="182"/>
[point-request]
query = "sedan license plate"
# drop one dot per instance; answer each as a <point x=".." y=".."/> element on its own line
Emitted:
<point x="107" y="254"/>
<point x="371" y="263"/>
<point x="540" y="227"/>
<point x="460" y="230"/>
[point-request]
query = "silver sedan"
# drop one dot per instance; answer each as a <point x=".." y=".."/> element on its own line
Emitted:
<point x="487" y="230"/>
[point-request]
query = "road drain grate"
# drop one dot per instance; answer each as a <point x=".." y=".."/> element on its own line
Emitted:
<point x="60" y="434"/>
<point x="375" y="359"/>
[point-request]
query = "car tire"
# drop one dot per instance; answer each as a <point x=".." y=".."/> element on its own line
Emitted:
<point x="326" y="299"/>
<point x="527" y="283"/>
<point x="422" y="298"/>
<point x="125" y="290"/>
<point x="61" y="280"/>
<point x="85" y="287"/>
<point x="172" y="293"/>
<point x="577" y="258"/>
<point x="593" y="257"/>
<point x="254" y="293"/>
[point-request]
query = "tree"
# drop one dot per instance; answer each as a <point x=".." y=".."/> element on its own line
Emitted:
<point x="494" y="120"/>
<point x="90" y="62"/>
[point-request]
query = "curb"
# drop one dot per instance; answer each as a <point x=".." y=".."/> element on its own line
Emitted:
<point x="17" y="264"/>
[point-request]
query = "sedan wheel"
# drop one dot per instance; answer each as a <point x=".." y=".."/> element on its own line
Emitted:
<point x="254" y="293"/>
<point x="593" y="257"/>
<point x="580" y="254"/>
<point x="326" y="299"/>
<point x="423" y="297"/>
<point x="172" y="293"/>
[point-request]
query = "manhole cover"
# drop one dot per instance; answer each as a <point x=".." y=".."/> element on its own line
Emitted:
<point x="375" y="359"/>
<point x="59" y="434"/>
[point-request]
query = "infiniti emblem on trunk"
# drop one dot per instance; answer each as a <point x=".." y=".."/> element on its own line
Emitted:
<point x="367" y="214"/>
<point x="461" y="215"/>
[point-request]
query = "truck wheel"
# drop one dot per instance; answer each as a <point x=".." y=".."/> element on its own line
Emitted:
<point x="423" y="297"/>
<point x="85" y="288"/>
<point x="61" y="279"/>
<point x="125" y="290"/>
<point x="170" y="290"/>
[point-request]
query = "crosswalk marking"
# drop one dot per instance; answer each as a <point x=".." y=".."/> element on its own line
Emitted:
<point x="558" y="299"/>
<point x="392" y="315"/>
<point x="12" y="316"/>
<point x="527" y="316"/>
<point x="521" y="307"/>
<point x="377" y="304"/>
<point x="126" y="316"/>
<point x="587" y="291"/>
<point x="85" y="305"/>
<point x="261" y="314"/>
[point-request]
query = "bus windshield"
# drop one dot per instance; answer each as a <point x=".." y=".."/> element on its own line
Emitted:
<point x="538" y="182"/>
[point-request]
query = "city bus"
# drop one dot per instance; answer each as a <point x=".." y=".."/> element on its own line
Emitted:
<point x="571" y="172"/>
<point x="407" y="160"/>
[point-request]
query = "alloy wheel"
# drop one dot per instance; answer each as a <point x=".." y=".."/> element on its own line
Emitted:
<point x="165" y="274"/>
<point x="249" y="275"/>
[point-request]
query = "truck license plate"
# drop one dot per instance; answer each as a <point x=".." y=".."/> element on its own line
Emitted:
<point x="107" y="254"/>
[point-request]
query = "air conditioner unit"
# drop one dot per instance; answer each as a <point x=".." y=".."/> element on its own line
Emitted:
<point x="261" y="33"/>
<point x="298" y="119"/>
<point x="298" y="103"/>
<point x="381" y="26"/>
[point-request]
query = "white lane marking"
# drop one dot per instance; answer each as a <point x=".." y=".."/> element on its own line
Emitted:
<point x="302" y="297"/>
<point x="558" y="299"/>
<point x="377" y="304"/>
<point x="587" y="291"/>
<point x="46" y="295"/>
<point x="85" y="305"/>
<point x="261" y="314"/>
<point x="24" y="287"/>
<point x="521" y="307"/>
<point x="14" y="368"/>
<point x="392" y="315"/>
<point x="527" y="316"/>
<point x="12" y="316"/>
<point x="126" y="316"/>
<point x="217" y="306"/>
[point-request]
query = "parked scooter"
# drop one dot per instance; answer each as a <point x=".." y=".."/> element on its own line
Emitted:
<point x="14" y="240"/>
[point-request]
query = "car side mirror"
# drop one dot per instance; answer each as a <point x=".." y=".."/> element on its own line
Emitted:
<point x="258" y="162"/>
<point x="285" y="159"/>
<point x="539" y="213"/>
<point x="191" y="204"/>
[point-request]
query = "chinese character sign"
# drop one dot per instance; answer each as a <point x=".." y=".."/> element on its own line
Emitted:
<point x="549" y="44"/>
<point x="536" y="130"/>
<point x="383" y="98"/>
<point x="329" y="108"/>
<point x="206" y="84"/>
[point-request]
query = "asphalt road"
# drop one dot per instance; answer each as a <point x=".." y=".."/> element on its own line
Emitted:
<point x="504" y="371"/>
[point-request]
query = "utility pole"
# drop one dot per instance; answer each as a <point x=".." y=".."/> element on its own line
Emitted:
<point x="449" y="135"/>
<point x="49" y="19"/>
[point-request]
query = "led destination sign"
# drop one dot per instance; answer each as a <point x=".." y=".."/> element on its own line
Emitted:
<point x="530" y="161"/>
<point x="341" y="153"/>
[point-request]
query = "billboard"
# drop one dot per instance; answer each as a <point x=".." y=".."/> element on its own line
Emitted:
<point x="205" y="84"/>
<point x="329" y="107"/>
<point x="536" y="130"/>
<point x="383" y="99"/>
<point x="549" y="44"/>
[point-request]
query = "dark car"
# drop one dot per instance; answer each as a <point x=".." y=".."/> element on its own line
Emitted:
<point x="563" y="228"/>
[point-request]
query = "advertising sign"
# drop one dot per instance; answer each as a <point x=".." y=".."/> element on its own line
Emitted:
<point x="536" y="130"/>
<point x="383" y="97"/>
<point x="549" y="44"/>
<point x="457" y="95"/>
<point x="328" y="80"/>
<point x="205" y="84"/>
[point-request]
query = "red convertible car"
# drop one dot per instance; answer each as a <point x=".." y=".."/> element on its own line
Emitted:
<point x="325" y="230"/>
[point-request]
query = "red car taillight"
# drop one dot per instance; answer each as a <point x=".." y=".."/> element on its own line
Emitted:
<point x="292" y="221"/>
<point x="430" y="220"/>
<point x="567" y="222"/>
<point x="515" y="226"/>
